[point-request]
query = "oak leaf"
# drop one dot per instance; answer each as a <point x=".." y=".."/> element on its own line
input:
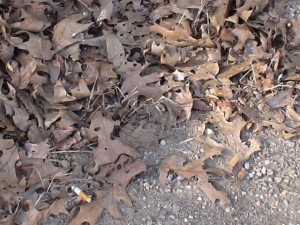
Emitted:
<point x="180" y="36"/>
<point x="108" y="150"/>
<point x="38" y="47"/>
<point x="65" y="31"/>
<point x="187" y="170"/>
<point x="28" y="22"/>
<point x="232" y="132"/>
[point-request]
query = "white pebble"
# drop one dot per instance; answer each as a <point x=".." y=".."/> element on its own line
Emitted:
<point x="227" y="209"/>
<point x="263" y="170"/>
<point x="247" y="165"/>
<point x="209" y="131"/>
<point x="172" y="217"/>
<point x="259" y="174"/>
<point x="269" y="172"/>
<point x="199" y="198"/>
<point x="267" y="162"/>
<point x="163" y="142"/>
<point x="185" y="220"/>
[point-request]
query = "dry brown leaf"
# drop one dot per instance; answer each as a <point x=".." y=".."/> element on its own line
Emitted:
<point x="35" y="169"/>
<point x="293" y="114"/>
<point x="59" y="206"/>
<point x="38" y="47"/>
<point x="54" y="94"/>
<point x="245" y="15"/>
<point x="121" y="173"/>
<point x="20" y="118"/>
<point x="148" y="85"/>
<point x="21" y="75"/>
<point x="296" y="30"/>
<point x="209" y="190"/>
<point x="105" y="12"/>
<point x="65" y="32"/>
<point x="115" y="50"/>
<point x="256" y="5"/>
<point x="108" y="150"/>
<point x="124" y="171"/>
<point x="27" y="22"/>
<point x="205" y="72"/>
<point x="183" y="97"/>
<point x="29" y="215"/>
<point x="232" y="131"/>
<point x="179" y="165"/>
<point x="39" y="150"/>
<point x="10" y="187"/>
<point x="88" y="213"/>
<point x="141" y="136"/>
<point x="243" y="33"/>
<point x="179" y="36"/>
<point x="221" y="12"/>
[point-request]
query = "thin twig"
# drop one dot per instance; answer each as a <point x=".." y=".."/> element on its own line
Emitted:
<point x="62" y="152"/>
<point x="185" y="141"/>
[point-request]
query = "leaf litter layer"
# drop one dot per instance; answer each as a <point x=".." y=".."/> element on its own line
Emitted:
<point x="85" y="83"/>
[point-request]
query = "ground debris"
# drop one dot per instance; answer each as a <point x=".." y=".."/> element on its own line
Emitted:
<point x="99" y="80"/>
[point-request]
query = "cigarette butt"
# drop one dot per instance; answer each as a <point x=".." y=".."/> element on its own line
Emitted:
<point x="80" y="193"/>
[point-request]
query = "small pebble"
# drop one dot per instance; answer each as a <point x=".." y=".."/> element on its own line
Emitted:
<point x="267" y="162"/>
<point x="263" y="170"/>
<point x="269" y="172"/>
<point x="199" y="198"/>
<point x="286" y="180"/>
<point x="251" y="175"/>
<point x="247" y="165"/>
<point x="188" y="187"/>
<point x="191" y="217"/>
<point x="259" y="174"/>
<point x="261" y="197"/>
<point x="278" y="179"/>
<point x="163" y="142"/>
<point x="209" y="131"/>
<point x="227" y="209"/>
<point x="172" y="217"/>
<point x="185" y="220"/>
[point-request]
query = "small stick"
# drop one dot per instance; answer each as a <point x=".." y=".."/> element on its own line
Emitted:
<point x="62" y="152"/>
<point x="187" y="140"/>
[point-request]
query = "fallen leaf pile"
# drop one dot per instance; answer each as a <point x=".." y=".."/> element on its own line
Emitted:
<point x="83" y="84"/>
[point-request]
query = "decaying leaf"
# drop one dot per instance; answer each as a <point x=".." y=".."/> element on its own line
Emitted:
<point x="38" y="47"/>
<point x="84" y="83"/>
<point x="141" y="136"/>
<point x="121" y="174"/>
<point x="108" y="150"/>
<point x="180" y="36"/>
<point x="10" y="194"/>
<point x="231" y="130"/>
<point x="179" y="165"/>
<point x="66" y="31"/>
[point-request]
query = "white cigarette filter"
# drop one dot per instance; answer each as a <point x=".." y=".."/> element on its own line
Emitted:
<point x="80" y="193"/>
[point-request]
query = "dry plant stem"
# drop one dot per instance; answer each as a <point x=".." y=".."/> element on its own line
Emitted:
<point x="185" y="141"/>
<point x="63" y="152"/>
<point x="49" y="186"/>
<point x="82" y="3"/>
<point x="91" y="95"/>
<point x="279" y="85"/>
